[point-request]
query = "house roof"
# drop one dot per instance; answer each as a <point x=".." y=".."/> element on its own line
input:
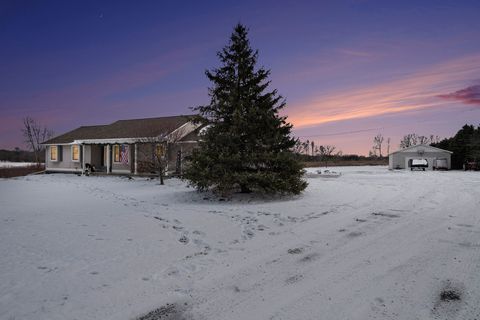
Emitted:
<point x="123" y="129"/>
<point x="426" y="146"/>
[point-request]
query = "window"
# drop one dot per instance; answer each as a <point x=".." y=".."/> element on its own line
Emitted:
<point x="116" y="153"/>
<point x="76" y="152"/>
<point x="53" y="153"/>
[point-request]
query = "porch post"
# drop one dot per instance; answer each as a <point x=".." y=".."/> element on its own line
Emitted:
<point x="108" y="159"/>
<point x="83" y="158"/>
<point x="166" y="158"/>
<point x="135" y="165"/>
<point x="181" y="160"/>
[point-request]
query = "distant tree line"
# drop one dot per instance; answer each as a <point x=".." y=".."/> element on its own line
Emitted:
<point x="17" y="155"/>
<point x="311" y="154"/>
<point x="308" y="151"/>
<point x="465" y="145"/>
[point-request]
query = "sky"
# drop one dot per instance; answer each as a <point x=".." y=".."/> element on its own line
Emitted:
<point x="348" y="70"/>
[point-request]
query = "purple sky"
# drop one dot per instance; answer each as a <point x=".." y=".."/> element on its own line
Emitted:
<point x="348" y="69"/>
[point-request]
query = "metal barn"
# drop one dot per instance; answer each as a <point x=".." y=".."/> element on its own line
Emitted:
<point x="436" y="158"/>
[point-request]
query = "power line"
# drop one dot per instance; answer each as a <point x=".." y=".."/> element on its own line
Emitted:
<point x="341" y="133"/>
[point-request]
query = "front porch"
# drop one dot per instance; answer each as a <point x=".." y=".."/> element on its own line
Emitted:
<point x="119" y="156"/>
<point x="145" y="159"/>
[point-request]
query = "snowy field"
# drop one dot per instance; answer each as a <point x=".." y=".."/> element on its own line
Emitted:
<point x="372" y="244"/>
<point x="9" y="164"/>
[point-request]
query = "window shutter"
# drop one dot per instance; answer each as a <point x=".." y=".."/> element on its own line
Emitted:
<point x="60" y="153"/>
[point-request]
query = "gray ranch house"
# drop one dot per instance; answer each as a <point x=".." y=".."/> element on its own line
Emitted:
<point x="434" y="158"/>
<point x="137" y="146"/>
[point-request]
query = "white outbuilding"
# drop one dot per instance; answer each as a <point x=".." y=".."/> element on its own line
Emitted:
<point x="435" y="158"/>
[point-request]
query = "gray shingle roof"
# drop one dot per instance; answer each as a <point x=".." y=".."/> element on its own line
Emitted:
<point x="134" y="128"/>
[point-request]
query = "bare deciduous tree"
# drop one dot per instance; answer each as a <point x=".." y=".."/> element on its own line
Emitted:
<point x="327" y="152"/>
<point x="298" y="147"/>
<point x="377" y="144"/>
<point x="34" y="134"/>
<point x="154" y="150"/>
<point x="423" y="140"/>
<point x="434" y="139"/>
<point x="412" y="139"/>
<point x="409" y="140"/>
<point x="306" y="147"/>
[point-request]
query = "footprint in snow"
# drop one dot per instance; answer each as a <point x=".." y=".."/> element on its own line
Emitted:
<point x="273" y="233"/>
<point x="387" y="215"/>
<point x="248" y="234"/>
<point x="467" y="244"/>
<point x="166" y="312"/>
<point x="294" y="279"/>
<point x="172" y="271"/>
<point x="183" y="239"/>
<point x="309" y="258"/>
<point x="464" y="225"/>
<point x="295" y="251"/>
<point x="354" y="234"/>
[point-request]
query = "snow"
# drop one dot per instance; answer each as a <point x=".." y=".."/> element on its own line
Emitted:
<point x="371" y="244"/>
<point x="9" y="164"/>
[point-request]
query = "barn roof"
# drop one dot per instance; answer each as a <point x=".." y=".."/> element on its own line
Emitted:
<point x="426" y="146"/>
<point x="133" y="128"/>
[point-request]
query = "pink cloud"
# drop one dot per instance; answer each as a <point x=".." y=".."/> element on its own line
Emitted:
<point x="469" y="95"/>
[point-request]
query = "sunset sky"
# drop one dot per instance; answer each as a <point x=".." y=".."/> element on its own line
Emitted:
<point x="348" y="69"/>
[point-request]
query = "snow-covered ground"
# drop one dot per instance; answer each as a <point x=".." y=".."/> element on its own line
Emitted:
<point x="371" y="244"/>
<point x="10" y="164"/>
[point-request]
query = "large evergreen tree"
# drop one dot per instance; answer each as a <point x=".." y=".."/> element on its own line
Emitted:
<point x="246" y="145"/>
<point x="465" y="145"/>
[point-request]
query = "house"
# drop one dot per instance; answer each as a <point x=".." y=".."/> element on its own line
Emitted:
<point x="135" y="146"/>
<point x="436" y="158"/>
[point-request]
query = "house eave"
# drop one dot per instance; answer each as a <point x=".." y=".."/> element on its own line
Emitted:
<point x="109" y="141"/>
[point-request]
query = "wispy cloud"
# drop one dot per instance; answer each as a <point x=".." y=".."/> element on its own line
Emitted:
<point x="469" y="95"/>
<point x="96" y="93"/>
<point x="417" y="91"/>
<point x="356" y="53"/>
